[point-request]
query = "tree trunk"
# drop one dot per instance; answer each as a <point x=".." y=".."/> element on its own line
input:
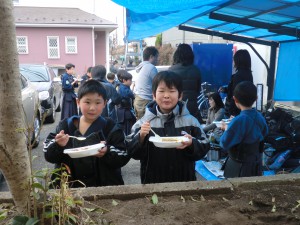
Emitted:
<point x="14" y="160"/>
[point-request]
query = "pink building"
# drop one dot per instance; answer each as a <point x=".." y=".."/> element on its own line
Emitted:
<point x="57" y="36"/>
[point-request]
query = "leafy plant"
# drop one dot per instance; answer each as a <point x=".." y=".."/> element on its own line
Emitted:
<point x="158" y="41"/>
<point x="297" y="206"/>
<point x="50" y="199"/>
<point x="165" y="54"/>
<point x="154" y="199"/>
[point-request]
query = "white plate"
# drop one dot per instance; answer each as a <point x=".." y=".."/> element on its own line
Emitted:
<point x="163" y="142"/>
<point x="219" y="123"/>
<point x="84" y="151"/>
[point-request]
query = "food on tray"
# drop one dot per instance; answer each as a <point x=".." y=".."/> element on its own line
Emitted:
<point x="168" y="142"/>
<point x="170" y="139"/>
<point x="80" y="149"/>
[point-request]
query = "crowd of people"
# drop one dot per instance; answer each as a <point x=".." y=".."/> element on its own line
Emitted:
<point x="104" y="109"/>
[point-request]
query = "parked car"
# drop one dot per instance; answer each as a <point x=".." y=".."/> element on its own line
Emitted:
<point x="32" y="112"/>
<point x="32" y="116"/>
<point x="48" y="86"/>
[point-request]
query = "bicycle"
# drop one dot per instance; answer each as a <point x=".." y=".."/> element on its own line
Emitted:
<point x="203" y="104"/>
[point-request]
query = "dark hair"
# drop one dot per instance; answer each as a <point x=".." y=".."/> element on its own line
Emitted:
<point x="148" y="52"/>
<point x="110" y="76"/>
<point x="115" y="62"/>
<point x="242" y="60"/>
<point x="91" y="87"/>
<point x="245" y="92"/>
<point x="120" y="74"/>
<point x="89" y="70"/>
<point x="123" y="75"/>
<point x="184" y="55"/>
<point x="217" y="99"/>
<point x="98" y="72"/>
<point x="69" y="66"/>
<point x="170" y="78"/>
<point x="126" y="76"/>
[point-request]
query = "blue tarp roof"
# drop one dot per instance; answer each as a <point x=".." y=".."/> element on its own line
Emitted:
<point x="268" y="20"/>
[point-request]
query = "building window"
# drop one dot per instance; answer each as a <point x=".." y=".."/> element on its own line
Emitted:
<point x="22" y="45"/>
<point x="71" y="45"/>
<point x="53" y="47"/>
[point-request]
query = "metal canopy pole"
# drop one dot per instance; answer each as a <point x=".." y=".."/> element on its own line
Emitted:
<point x="271" y="73"/>
<point x="227" y="36"/>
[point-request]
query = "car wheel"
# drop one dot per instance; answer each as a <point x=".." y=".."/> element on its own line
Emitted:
<point x="51" y="118"/>
<point x="36" y="132"/>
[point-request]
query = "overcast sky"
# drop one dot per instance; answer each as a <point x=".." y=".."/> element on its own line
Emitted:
<point x="105" y="9"/>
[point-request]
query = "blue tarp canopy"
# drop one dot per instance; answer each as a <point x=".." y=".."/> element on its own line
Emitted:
<point x="288" y="73"/>
<point x="267" y="22"/>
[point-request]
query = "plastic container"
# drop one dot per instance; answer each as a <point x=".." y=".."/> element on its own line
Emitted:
<point x="213" y="155"/>
<point x="280" y="160"/>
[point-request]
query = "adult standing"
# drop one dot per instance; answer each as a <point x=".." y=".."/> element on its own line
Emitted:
<point x="69" y="105"/>
<point x="242" y="64"/>
<point x="146" y="71"/>
<point x="113" y="68"/>
<point x="183" y="65"/>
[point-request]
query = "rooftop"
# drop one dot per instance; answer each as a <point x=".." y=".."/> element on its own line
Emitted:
<point x="25" y="15"/>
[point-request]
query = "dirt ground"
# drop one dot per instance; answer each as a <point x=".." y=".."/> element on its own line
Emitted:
<point x="269" y="205"/>
<point x="275" y="205"/>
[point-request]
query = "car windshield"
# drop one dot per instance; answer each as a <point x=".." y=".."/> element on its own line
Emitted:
<point x="35" y="74"/>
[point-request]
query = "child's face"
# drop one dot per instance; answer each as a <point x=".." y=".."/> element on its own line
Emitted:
<point x="70" y="71"/>
<point x="166" y="98"/>
<point x="127" y="82"/>
<point x="91" y="106"/>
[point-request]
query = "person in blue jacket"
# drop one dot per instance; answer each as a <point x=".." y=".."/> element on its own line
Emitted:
<point x="113" y="98"/>
<point x="167" y="116"/>
<point x="243" y="138"/>
<point x="242" y="64"/>
<point x="69" y="105"/>
<point x="125" y="112"/>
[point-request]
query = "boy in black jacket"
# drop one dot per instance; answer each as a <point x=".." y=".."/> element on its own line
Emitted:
<point x="167" y="116"/>
<point x="102" y="169"/>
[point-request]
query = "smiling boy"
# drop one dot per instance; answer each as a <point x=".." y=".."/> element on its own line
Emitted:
<point x="167" y="115"/>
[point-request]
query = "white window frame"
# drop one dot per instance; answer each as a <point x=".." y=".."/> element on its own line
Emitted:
<point x="49" y="48"/>
<point x="25" y="45"/>
<point x="67" y="45"/>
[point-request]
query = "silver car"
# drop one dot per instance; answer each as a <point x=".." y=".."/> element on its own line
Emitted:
<point x="49" y="88"/>
<point x="32" y="112"/>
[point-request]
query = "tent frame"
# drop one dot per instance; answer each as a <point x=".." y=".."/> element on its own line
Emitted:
<point x="246" y="40"/>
